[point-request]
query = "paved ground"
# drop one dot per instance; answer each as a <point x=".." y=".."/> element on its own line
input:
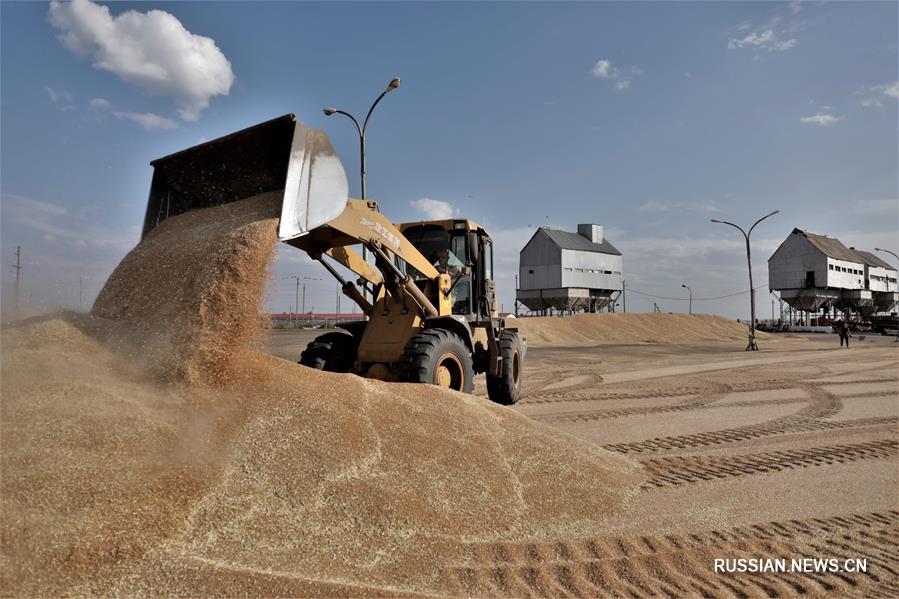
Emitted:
<point x="789" y="452"/>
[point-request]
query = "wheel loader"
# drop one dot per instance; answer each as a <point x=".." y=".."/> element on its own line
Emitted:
<point x="427" y="289"/>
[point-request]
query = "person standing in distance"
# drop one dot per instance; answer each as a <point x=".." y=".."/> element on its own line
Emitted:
<point x="844" y="333"/>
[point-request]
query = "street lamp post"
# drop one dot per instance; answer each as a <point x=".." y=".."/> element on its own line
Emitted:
<point x="753" y="345"/>
<point x="394" y="83"/>
<point x="691" y="298"/>
<point x="893" y="254"/>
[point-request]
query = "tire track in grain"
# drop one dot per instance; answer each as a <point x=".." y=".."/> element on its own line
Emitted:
<point x="744" y="433"/>
<point x="683" y="564"/>
<point x="680" y="470"/>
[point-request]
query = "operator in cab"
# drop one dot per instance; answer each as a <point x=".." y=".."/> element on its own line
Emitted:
<point x="448" y="264"/>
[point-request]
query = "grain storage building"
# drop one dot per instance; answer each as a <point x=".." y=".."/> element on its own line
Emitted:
<point x="569" y="271"/>
<point x="812" y="272"/>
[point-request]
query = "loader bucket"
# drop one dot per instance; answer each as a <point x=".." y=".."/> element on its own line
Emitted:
<point x="278" y="155"/>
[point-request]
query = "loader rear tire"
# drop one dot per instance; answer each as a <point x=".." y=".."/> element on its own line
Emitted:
<point x="332" y="352"/>
<point x="505" y="388"/>
<point x="438" y="357"/>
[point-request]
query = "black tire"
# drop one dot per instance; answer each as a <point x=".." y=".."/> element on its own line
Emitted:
<point x="505" y="388"/>
<point x="333" y="352"/>
<point x="438" y="357"/>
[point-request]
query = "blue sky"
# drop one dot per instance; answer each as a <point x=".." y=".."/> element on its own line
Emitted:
<point x="648" y="118"/>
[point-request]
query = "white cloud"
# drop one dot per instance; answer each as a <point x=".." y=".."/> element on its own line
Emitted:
<point x="877" y="207"/>
<point x="20" y="205"/>
<point x="872" y="94"/>
<point x="51" y="220"/>
<point x="60" y="245"/>
<point x="795" y="7"/>
<point x="654" y="206"/>
<point x="58" y="95"/>
<point x="434" y="209"/>
<point x="99" y="103"/>
<point x="603" y="69"/>
<point x="821" y="119"/>
<point x="766" y="40"/>
<point x="701" y="206"/>
<point x="151" y="50"/>
<point x="147" y="119"/>
<point x="54" y="220"/>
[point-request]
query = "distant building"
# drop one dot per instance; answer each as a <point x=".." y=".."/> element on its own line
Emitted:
<point x="569" y="271"/>
<point x="812" y="272"/>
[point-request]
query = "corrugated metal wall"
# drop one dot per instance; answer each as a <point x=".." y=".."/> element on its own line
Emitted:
<point x="591" y="270"/>
<point x="543" y="265"/>
<point x="540" y="263"/>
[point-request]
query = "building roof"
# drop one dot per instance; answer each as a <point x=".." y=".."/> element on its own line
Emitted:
<point x="834" y="248"/>
<point x="574" y="241"/>
<point x="872" y="260"/>
<point x="831" y="246"/>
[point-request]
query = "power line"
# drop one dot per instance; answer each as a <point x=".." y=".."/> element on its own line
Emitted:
<point x="695" y="299"/>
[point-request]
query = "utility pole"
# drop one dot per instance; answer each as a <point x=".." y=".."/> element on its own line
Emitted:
<point x="623" y="296"/>
<point x="304" y="291"/>
<point x="18" y="267"/>
<point x="515" y="305"/>
<point x="894" y="255"/>
<point x="691" y="298"/>
<point x="296" y="299"/>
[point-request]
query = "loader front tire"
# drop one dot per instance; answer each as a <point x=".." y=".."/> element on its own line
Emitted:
<point x="333" y="352"/>
<point x="438" y="357"/>
<point x="505" y="388"/>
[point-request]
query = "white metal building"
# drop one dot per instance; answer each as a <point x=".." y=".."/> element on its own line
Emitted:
<point x="569" y="271"/>
<point x="816" y="271"/>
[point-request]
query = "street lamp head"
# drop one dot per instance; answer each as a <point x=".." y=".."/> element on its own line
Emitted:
<point x="329" y="111"/>
<point x="394" y="83"/>
<point x="878" y="249"/>
<point x="684" y="286"/>
<point x="715" y="220"/>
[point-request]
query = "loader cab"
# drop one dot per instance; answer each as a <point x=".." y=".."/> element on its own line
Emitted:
<point x="463" y="250"/>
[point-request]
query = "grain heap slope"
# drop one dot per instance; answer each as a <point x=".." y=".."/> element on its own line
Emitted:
<point x="592" y="329"/>
<point x="149" y="447"/>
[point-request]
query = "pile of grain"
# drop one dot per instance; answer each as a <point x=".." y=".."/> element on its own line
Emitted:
<point x="593" y="329"/>
<point x="99" y="463"/>
<point x="191" y="291"/>
<point x="274" y="480"/>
